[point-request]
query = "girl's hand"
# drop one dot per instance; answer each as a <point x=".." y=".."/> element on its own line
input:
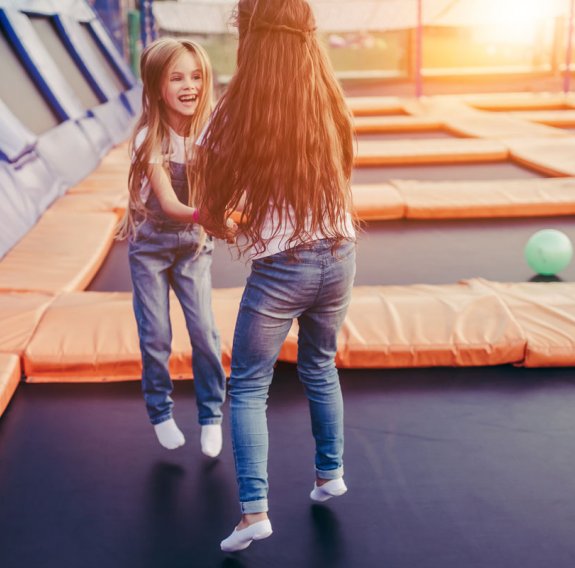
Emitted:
<point x="231" y="230"/>
<point x="214" y="229"/>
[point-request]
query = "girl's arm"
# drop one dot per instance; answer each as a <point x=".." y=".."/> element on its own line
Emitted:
<point x="167" y="197"/>
<point x="174" y="208"/>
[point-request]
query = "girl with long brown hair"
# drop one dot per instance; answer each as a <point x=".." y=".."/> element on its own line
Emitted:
<point x="168" y="248"/>
<point x="279" y="148"/>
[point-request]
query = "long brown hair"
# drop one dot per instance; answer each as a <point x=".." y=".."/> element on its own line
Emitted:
<point x="155" y="63"/>
<point x="282" y="133"/>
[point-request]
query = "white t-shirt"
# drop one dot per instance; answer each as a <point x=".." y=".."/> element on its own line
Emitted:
<point x="177" y="154"/>
<point x="281" y="241"/>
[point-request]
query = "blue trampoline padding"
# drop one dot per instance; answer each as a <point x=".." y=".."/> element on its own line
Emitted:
<point x="40" y="65"/>
<point x="15" y="139"/>
<point x="108" y="48"/>
<point x="78" y="9"/>
<point x="38" y="180"/>
<point x="72" y="34"/>
<point x="19" y="213"/>
<point x="116" y="120"/>
<point x="97" y="133"/>
<point x="133" y="98"/>
<point x="67" y="149"/>
<point x="67" y="33"/>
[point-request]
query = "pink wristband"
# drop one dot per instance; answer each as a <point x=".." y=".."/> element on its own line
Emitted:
<point x="196" y="216"/>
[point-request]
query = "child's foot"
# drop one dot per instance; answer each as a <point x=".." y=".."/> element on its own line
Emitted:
<point x="211" y="440"/>
<point x="333" y="488"/>
<point x="241" y="539"/>
<point x="169" y="435"/>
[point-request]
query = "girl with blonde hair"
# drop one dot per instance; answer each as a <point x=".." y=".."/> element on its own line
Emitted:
<point x="168" y="249"/>
<point x="279" y="147"/>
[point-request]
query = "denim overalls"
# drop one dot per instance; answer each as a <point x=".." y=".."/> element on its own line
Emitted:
<point x="162" y="255"/>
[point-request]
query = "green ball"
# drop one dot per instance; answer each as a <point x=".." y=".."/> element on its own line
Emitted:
<point x="548" y="252"/>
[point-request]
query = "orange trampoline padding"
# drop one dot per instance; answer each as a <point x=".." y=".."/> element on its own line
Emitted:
<point x="376" y="106"/>
<point x="379" y="124"/>
<point x="559" y="118"/>
<point x="91" y="202"/>
<point x="425" y="326"/>
<point x="9" y="378"/>
<point x="92" y="337"/>
<point x="498" y="126"/>
<point x="550" y="156"/>
<point x="546" y="313"/>
<point x="62" y="252"/>
<point x="519" y="101"/>
<point x="494" y="198"/>
<point x="19" y="316"/>
<point x="378" y="202"/>
<point x="428" y="151"/>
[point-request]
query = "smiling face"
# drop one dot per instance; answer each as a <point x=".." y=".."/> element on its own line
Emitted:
<point x="181" y="90"/>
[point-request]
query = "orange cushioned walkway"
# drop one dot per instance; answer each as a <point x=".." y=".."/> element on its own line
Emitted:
<point x="552" y="157"/>
<point x="498" y="126"/>
<point x="494" y="198"/>
<point x="546" y="314"/>
<point x="558" y="118"/>
<point x="378" y="202"/>
<point x="19" y="316"/>
<point x="62" y="252"/>
<point x="519" y="101"/>
<point x="379" y="124"/>
<point x="376" y="106"/>
<point x="92" y="336"/>
<point x="440" y="151"/>
<point x="9" y="378"/>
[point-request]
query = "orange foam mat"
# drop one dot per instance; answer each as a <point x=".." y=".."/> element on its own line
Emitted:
<point x="440" y="151"/>
<point x="498" y="126"/>
<point x="62" y="252"/>
<point x="424" y="326"/>
<point x="378" y="202"/>
<point x="92" y="337"/>
<point x="103" y="200"/>
<point x="519" y="101"/>
<point x="493" y="198"/>
<point x="378" y="124"/>
<point x="553" y="157"/>
<point x="558" y="118"/>
<point x="9" y="378"/>
<point x="19" y="316"/>
<point x="546" y="314"/>
<point x="376" y="106"/>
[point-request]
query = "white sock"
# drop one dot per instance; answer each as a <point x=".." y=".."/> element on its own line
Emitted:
<point x="333" y="488"/>
<point x="241" y="539"/>
<point x="211" y="440"/>
<point x="169" y="435"/>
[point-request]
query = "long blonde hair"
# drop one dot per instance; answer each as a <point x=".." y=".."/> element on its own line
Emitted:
<point x="281" y="134"/>
<point x="155" y="63"/>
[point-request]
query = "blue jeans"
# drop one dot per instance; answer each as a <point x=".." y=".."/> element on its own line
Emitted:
<point x="160" y="259"/>
<point x="314" y="287"/>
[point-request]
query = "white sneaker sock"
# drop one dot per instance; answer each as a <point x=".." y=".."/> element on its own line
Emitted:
<point x="169" y="435"/>
<point x="241" y="539"/>
<point x="211" y="440"/>
<point x="333" y="488"/>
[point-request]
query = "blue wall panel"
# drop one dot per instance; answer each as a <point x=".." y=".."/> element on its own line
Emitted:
<point x="36" y="169"/>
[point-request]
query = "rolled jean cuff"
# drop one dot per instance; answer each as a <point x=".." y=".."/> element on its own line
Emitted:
<point x="210" y="421"/>
<point x="329" y="474"/>
<point x="249" y="507"/>
<point x="160" y="419"/>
